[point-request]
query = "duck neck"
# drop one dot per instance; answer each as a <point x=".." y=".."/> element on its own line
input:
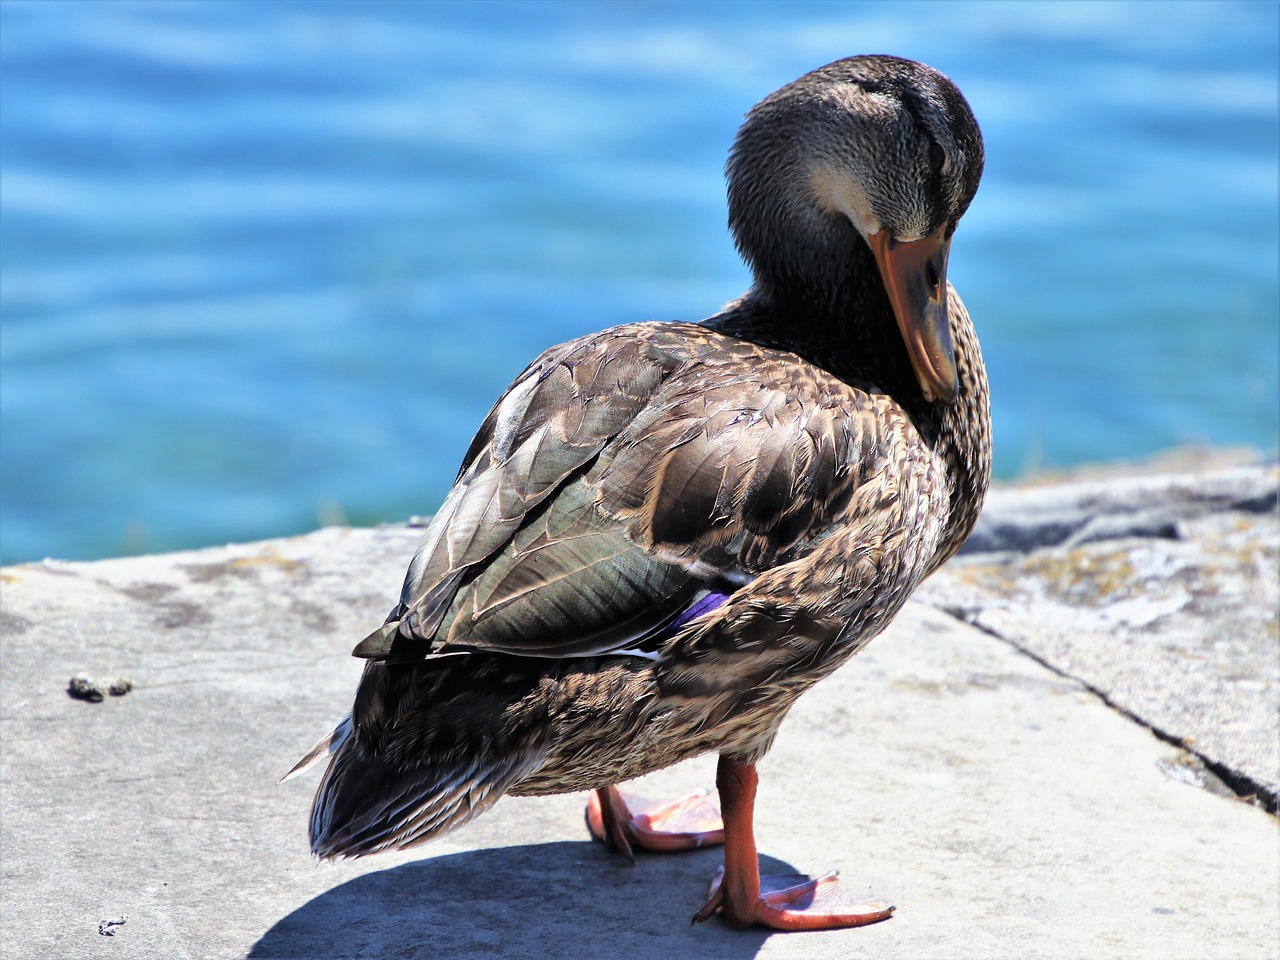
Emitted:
<point x="963" y="434"/>
<point x="850" y="331"/>
<point x="843" y="324"/>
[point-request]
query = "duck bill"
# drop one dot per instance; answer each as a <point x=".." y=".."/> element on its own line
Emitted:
<point x="915" y="277"/>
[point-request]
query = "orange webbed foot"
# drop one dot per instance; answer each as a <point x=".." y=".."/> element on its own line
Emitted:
<point x="625" y="822"/>
<point x="746" y="899"/>
<point x="792" y="902"/>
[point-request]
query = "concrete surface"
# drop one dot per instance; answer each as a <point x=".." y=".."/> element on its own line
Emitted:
<point x="974" y="775"/>
<point x="1160" y="593"/>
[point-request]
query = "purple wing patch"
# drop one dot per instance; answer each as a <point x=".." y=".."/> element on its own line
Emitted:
<point x="702" y="603"/>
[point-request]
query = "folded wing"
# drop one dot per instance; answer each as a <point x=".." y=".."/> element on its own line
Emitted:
<point x="622" y="479"/>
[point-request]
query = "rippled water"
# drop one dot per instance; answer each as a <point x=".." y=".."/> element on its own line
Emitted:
<point x="266" y="265"/>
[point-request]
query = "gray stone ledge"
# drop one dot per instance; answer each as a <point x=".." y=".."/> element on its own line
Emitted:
<point x="1161" y="593"/>
<point x="974" y="773"/>
<point x="1069" y="514"/>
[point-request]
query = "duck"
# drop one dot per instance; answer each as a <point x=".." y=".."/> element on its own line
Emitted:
<point x="664" y="533"/>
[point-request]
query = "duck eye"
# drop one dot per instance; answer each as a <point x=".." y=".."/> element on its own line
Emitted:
<point x="937" y="156"/>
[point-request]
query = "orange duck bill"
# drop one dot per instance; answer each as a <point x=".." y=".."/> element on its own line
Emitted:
<point x="915" y="276"/>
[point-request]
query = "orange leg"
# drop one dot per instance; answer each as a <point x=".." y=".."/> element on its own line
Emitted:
<point x="785" y="903"/>
<point x="623" y="822"/>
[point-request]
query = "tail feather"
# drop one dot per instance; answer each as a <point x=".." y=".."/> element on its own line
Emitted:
<point x="325" y="747"/>
<point x="365" y="805"/>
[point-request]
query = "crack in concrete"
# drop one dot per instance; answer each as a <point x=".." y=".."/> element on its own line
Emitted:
<point x="1244" y="787"/>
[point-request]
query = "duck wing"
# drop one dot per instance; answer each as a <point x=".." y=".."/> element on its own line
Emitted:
<point x="624" y="480"/>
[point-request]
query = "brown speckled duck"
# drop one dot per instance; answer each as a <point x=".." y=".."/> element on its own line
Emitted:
<point x="664" y="533"/>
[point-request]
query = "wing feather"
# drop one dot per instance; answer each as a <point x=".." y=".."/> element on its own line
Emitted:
<point x="620" y="478"/>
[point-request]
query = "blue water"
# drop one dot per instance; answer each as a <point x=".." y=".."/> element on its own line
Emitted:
<point x="266" y="265"/>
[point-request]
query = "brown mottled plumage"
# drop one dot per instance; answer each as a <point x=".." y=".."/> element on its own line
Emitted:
<point x="798" y="459"/>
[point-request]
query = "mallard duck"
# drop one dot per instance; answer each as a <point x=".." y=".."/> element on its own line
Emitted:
<point x="664" y="533"/>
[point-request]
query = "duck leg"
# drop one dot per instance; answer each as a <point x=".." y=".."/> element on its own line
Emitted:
<point x="624" y="821"/>
<point x="745" y="898"/>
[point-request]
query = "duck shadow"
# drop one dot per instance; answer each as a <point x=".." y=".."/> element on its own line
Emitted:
<point x="563" y="900"/>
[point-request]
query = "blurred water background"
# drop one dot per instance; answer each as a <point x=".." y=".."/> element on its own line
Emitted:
<point x="266" y="265"/>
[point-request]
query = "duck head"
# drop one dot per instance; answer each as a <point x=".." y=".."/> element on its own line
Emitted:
<point x="868" y="154"/>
